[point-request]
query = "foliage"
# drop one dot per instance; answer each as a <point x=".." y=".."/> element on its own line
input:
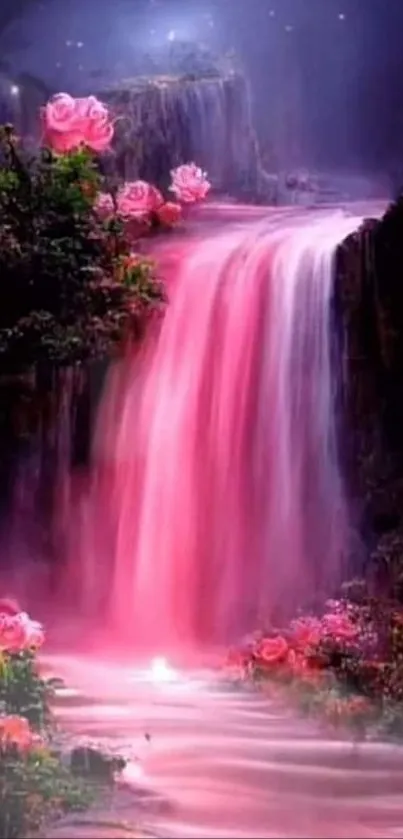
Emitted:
<point x="34" y="787"/>
<point x="23" y="691"/>
<point x="346" y="666"/>
<point x="36" y="781"/>
<point x="61" y="296"/>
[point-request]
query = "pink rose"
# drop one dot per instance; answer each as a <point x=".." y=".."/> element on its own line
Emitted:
<point x="98" y="135"/>
<point x="273" y="650"/>
<point x="34" y="634"/>
<point x="12" y="634"/>
<point x="15" y="730"/>
<point x="189" y="183"/>
<point x="98" y="128"/>
<point x="306" y="632"/>
<point x="340" y="627"/>
<point x="70" y="123"/>
<point x="60" y="142"/>
<point x="60" y="114"/>
<point x="104" y="204"/>
<point x="90" y="108"/>
<point x="139" y="199"/>
<point x="169" y="214"/>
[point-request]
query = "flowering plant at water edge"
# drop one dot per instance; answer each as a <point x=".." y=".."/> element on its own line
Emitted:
<point x="344" y="665"/>
<point x="70" y="289"/>
<point x="23" y="693"/>
<point x="65" y="295"/>
<point x="37" y="782"/>
<point x="72" y="123"/>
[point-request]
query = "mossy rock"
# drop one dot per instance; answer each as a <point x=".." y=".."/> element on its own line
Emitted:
<point x="90" y="762"/>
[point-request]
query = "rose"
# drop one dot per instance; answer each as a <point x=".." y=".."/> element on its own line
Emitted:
<point x="169" y="214"/>
<point x="189" y="183"/>
<point x="138" y="199"/>
<point x="69" y="123"/>
<point x="62" y="123"/>
<point x="90" y="109"/>
<point x="273" y="650"/>
<point x="12" y="634"/>
<point x="306" y="632"/>
<point x="34" y="634"/>
<point x="61" y="114"/>
<point x="60" y="142"/>
<point x="98" y="135"/>
<point x="104" y="204"/>
<point x="18" y="632"/>
<point x="97" y="128"/>
<point x="340" y="626"/>
<point x="15" y="730"/>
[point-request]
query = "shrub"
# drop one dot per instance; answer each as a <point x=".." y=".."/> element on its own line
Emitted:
<point x="346" y="665"/>
<point x="69" y="286"/>
<point x="62" y="297"/>
<point x="36" y="783"/>
<point x="35" y="787"/>
<point x="23" y="692"/>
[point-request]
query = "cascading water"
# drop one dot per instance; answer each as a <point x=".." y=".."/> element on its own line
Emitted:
<point x="217" y="450"/>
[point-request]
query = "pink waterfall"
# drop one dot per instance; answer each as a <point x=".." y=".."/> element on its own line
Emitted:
<point x="216" y="500"/>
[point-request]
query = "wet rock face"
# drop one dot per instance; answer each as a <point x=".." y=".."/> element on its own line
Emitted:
<point x="369" y="299"/>
<point x="166" y="121"/>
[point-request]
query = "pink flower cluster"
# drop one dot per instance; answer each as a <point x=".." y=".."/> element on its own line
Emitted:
<point x="18" y="632"/>
<point x="298" y="648"/>
<point x="69" y="123"/>
<point x="337" y="623"/>
<point x="140" y="201"/>
<point x="189" y="183"/>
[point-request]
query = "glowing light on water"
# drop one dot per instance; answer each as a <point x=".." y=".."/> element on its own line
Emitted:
<point x="161" y="671"/>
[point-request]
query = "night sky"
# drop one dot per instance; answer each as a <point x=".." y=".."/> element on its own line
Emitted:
<point x="334" y="66"/>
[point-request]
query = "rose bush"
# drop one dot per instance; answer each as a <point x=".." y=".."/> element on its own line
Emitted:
<point x="36" y="783"/>
<point x="72" y="123"/>
<point x="64" y="296"/>
<point x="344" y="665"/>
<point x="65" y="238"/>
<point x="23" y="693"/>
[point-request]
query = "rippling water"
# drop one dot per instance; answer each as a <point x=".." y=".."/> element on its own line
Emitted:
<point x="223" y="763"/>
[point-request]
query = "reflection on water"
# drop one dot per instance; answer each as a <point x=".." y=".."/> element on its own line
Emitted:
<point x="209" y="761"/>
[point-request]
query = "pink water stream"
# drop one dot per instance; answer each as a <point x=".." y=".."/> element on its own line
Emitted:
<point x="216" y="498"/>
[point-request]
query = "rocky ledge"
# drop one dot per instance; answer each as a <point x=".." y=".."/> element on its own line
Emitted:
<point x="369" y="299"/>
<point x="163" y="121"/>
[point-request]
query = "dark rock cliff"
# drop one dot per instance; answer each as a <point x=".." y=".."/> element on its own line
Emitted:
<point x="369" y="291"/>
